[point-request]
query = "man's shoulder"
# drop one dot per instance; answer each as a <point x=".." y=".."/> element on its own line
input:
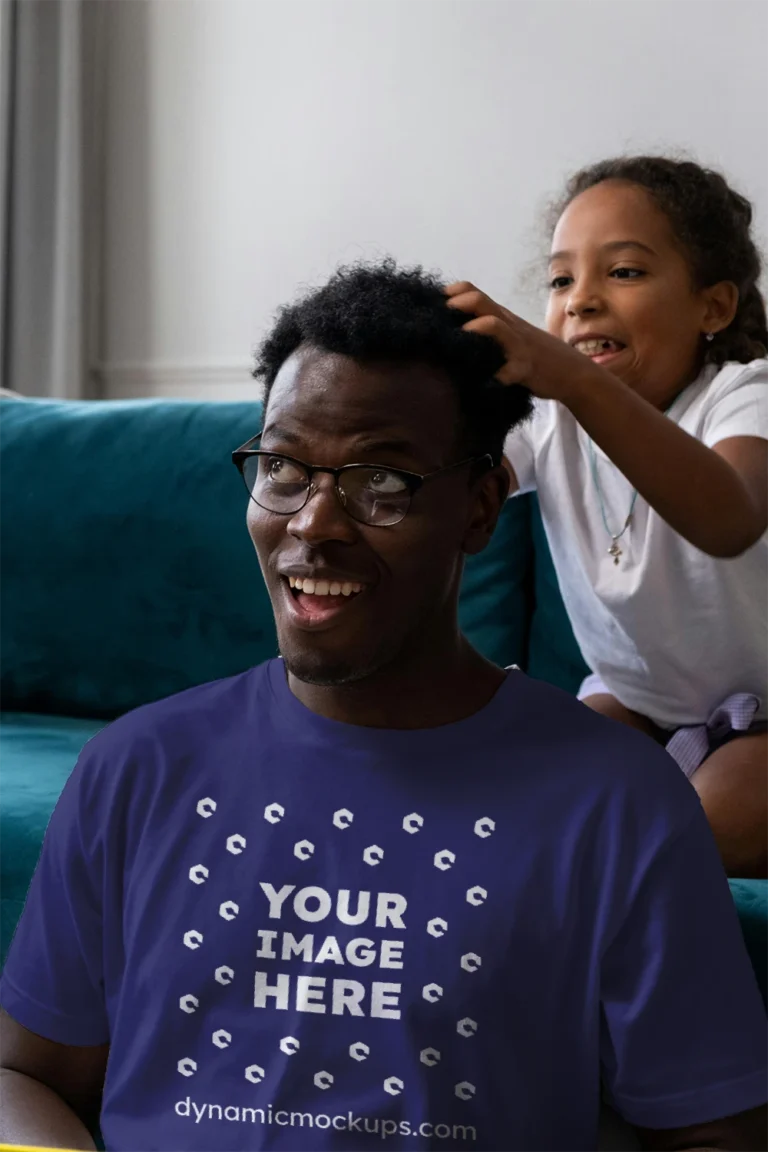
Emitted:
<point x="565" y="725"/>
<point x="619" y="764"/>
<point x="191" y="719"/>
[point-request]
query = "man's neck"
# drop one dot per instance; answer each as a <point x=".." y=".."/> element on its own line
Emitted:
<point x="432" y="689"/>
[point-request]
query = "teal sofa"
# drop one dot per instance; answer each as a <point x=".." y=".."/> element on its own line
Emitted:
<point x="127" y="575"/>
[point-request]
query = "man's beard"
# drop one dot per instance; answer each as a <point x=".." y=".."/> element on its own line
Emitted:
<point x="311" y="669"/>
<point x="324" y="675"/>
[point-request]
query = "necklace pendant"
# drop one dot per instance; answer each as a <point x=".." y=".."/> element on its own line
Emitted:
<point x="615" y="551"/>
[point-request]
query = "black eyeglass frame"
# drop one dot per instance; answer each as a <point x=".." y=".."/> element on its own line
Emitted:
<point x="413" y="480"/>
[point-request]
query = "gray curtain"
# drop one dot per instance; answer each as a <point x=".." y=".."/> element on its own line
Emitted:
<point x="52" y="64"/>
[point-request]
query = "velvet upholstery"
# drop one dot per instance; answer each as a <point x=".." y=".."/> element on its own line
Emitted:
<point x="127" y="571"/>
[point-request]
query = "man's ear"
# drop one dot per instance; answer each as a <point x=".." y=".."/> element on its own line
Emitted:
<point x="490" y="492"/>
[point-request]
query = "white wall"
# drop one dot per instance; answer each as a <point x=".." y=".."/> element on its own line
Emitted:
<point x="253" y="145"/>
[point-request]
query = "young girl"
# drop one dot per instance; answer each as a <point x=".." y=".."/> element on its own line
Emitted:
<point x="648" y="450"/>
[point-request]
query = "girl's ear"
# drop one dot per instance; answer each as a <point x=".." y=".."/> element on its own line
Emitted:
<point x="720" y="304"/>
<point x="491" y="491"/>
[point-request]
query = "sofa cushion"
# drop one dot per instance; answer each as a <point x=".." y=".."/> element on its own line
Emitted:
<point x="553" y="653"/>
<point x="127" y="570"/>
<point x="37" y="754"/>
<point x="751" y="898"/>
<point x="495" y="604"/>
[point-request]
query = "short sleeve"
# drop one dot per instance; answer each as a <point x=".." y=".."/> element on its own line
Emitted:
<point x="683" y="1024"/>
<point x="53" y="981"/>
<point x="520" y="449"/>
<point x="742" y="409"/>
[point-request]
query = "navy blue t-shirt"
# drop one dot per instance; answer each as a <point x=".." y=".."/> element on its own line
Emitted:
<point x="301" y="934"/>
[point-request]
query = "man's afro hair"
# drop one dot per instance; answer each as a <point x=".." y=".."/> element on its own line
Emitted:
<point x="380" y="312"/>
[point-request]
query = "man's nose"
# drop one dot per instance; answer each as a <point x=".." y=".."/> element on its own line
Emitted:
<point x="323" y="517"/>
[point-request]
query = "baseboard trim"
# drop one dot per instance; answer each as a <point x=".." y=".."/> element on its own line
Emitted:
<point x="224" y="381"/>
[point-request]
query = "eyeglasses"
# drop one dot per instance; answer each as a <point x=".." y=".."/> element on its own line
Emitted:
<point x="370" y="495"/>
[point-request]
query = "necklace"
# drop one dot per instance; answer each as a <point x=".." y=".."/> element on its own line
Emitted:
<point x="615" y="549"/>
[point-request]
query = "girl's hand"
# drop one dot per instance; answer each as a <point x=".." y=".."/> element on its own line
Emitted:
<point x="550" y="368"/>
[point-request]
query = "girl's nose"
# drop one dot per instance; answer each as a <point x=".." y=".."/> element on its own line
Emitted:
<point x="583" y="300"/>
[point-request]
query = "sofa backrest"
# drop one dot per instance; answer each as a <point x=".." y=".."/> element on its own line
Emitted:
<point x="127" y="571"/>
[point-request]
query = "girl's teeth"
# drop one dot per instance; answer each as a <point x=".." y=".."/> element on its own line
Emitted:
<point x="346" y="589"/>
<point x="335" y="588"/>
<point x="595" y="347"/>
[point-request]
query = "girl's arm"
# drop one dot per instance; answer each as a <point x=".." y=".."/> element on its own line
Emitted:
<point x="716" y="498"/>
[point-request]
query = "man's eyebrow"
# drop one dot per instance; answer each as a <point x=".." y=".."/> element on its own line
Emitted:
<point x="281" y="434"/>
<point x="371" y="444"/>
<point x="611" y="246"/>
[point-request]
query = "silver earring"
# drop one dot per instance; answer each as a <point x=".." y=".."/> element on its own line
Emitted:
<point x="709" y="336"/>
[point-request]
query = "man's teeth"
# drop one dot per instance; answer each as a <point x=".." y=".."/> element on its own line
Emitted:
<point x="324" y="587"/>
<point x="595" y="347"/>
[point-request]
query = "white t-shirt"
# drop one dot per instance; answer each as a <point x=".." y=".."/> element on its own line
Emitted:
<point x="670" y="630"/>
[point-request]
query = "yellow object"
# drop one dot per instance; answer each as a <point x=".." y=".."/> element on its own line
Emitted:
<point x="32" y="1148"/>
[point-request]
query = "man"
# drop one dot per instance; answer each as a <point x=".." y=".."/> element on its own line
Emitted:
<point x="378" y="892"/>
